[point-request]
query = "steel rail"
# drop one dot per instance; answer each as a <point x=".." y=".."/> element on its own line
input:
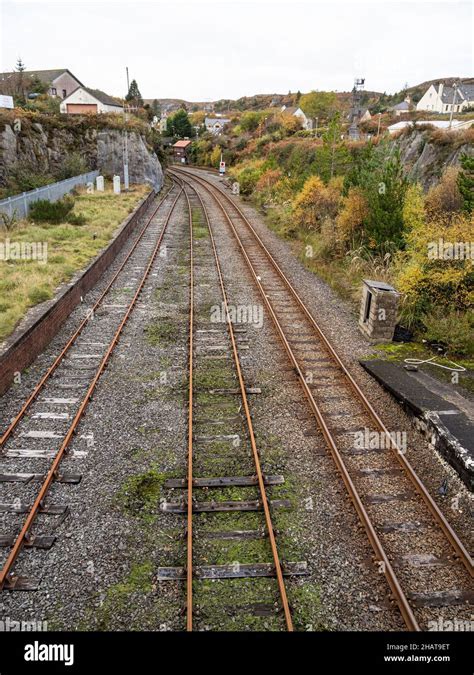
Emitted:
<point x="450" y="534"/>
<point x="190" y="479"/>
<point x="398" y="593"/>
<point x="256" y="457"/>
<point x="39" y="386"/>
<point x="23" y="536"/>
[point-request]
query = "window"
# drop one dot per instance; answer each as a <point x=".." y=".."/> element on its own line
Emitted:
<point x="64" y="93"/>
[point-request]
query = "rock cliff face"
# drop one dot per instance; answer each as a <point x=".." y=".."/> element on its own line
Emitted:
<point x="426" y="159"/>
<point x="144" y="166"/>
<point x="43" y="149"/>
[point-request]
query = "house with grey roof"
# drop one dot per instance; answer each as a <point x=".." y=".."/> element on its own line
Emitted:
<point x="402" y="108"/>
<point x="215" y="125"/>
<point x="447" y="99"/>
<point x="84" y="101"/>
<point x="60" y="82"/>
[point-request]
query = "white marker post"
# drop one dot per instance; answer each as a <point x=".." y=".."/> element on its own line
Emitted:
<point x="117" y="185"/>
<point x="100" y="185"/>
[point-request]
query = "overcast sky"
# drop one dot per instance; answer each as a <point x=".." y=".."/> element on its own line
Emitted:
<point x="209" y="50"/>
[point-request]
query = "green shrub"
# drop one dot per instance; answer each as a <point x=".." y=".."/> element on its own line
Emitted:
<point x="78" y="218"/>
<point x="73" y="165"/>
<point x="51" y="212"/>
<point x="38" y="295"/>
<point x="451" y="328"/>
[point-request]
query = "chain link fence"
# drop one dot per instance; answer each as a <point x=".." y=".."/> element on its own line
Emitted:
<point x="19" y="205"/>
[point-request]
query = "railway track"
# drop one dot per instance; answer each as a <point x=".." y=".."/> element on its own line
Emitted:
<point x="34" y="455"/>
<point x="426" y="565"/>
<point x="208" y="343"/>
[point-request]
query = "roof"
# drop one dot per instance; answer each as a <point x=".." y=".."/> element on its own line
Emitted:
<point x="404" y="105"/>
<point x="181" y="144"/>
<point x="212" y="121"/>
<point x="103" y="97"/>
<point x="46" y="76"/>
<point x="99" y="95"/>
<point x="464" y="92"/>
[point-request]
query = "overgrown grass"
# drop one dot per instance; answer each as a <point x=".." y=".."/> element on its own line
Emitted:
<point x="24" y="283"/>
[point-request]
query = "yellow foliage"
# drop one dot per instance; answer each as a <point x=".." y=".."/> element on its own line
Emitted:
<point x="352" y="214"/>
<point x="216" y="156"/>
<point x="445" y="196"/>
<point x="315" y="202"/>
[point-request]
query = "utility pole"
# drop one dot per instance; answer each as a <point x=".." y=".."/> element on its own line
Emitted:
<point x="125" y="142"/>
<point x="455" y="90"/>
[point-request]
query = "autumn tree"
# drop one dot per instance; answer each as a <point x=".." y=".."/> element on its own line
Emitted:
<point x="314" y="203"/>
<point x="319" y="104"/>
<point x="445" y="197"/>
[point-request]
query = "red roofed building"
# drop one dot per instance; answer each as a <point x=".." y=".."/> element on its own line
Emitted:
<point x="181" y="150"/>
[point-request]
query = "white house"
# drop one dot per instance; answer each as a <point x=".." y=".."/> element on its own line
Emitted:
<point x="85" y="101"/>
<point x="215" y="125"/>
<point x="306" y="122"/>
<point x="443" y="99"/>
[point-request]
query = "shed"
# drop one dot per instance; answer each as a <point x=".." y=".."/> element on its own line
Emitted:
<point x="181" y="150"/>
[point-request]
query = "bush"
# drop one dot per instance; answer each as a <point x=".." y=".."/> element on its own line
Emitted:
<point x="38" y="295"/>
<point x="77" y="219"/>
<point x="23" y="178"/>
<point x="73" y="165"/>
<point x="446" y="196"/>
<point x="248" y="174"/>
<point x="51" y="212"/>
<point x="453" y="329"/>
<point x="314" y="203"/>
<point x="351" y="217"/>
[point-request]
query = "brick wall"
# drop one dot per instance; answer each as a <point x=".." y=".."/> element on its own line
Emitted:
<point x="25" y="347"/>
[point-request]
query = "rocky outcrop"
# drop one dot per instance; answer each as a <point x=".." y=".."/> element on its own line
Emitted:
<point x="43" y="148"/>
<point x="427" y="156"/>
<point x="144" y="166"/>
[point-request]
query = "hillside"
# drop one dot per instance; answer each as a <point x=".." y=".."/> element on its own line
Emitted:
<point x="262" y="101"/>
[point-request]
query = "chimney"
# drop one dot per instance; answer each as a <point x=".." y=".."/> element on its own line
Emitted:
<point x="440" y="90"/>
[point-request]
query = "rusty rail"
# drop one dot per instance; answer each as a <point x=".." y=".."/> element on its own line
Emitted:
<point x="439" y="518"/>
<point x="6" y="572"/>
<point x="44" y="379"/>
<point x="255" y="454"/>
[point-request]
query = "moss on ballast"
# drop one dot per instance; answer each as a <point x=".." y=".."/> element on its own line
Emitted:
<point x="140" y="494"/>
<point x="161" y="331"/>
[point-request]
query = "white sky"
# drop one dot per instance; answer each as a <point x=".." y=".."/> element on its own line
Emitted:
<point x="223" y="48"/>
